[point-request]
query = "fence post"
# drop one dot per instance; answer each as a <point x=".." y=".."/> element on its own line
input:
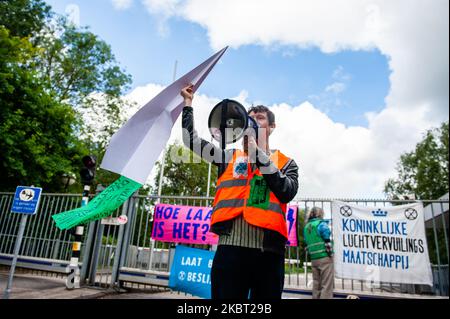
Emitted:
<point x="436" y="242"/>
<point x="95" y="252"/>
<point x="119" y="251"/>
<point x="73" y="270"/>
<point x="23" y="223"/>
<point x="85" y="266"/>
<point x="87" y="253"/>
<point x="128" y="226"/>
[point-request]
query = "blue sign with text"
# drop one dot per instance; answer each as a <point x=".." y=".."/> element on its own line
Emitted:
<point x="26" y="200"/>
<point x="191" y="271"/>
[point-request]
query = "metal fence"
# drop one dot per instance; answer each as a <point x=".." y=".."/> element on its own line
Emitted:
<point x="41" y="238"/>
<point x="126" y="256"/>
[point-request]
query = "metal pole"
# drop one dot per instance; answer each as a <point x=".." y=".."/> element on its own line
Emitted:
<point x="95" y="252"/>
<point x="131" y="212"/>
<point x="87" y="252"/>
<point x="161" y="174"/>
<point x="86" y="264"/>
<point x="23" y="223"/>
<point x="117" y="255"/>
<point x="436" y="242"/>
<point x="209" y="176"/>
<point x="73" y="270"/>
<point x="444" y="226"/>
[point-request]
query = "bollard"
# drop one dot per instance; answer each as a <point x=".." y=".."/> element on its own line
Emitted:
<point x="73" y="270"/>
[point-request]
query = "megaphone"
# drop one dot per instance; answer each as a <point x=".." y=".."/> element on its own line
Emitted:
<point x="228" y="122"/>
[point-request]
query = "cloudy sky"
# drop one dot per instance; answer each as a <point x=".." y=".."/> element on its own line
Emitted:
<point x="353" y="83"/>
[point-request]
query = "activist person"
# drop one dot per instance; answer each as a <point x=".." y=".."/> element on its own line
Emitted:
<point x="317" y="237"/>
<point x="248" y="209"/>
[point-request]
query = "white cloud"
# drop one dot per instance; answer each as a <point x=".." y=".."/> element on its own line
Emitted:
<point x="163" y="10"/>
<point x="73" y="14"/>
<point x="336" y="160"/>
<point x="122" y="4"/>
<point x="164" y="7"/>
<point x="341" y="74"/>
<point x="336" y="87"/>
<point x="328" y="100"/>
<point x="413" y="34"/>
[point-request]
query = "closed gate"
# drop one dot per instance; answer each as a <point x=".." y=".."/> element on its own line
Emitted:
<point x="105" y="247"/>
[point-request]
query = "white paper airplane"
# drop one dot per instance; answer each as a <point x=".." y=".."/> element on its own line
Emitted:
<point x="134" y="149"/>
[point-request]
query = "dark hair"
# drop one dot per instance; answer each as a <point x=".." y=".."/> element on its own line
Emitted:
<point x="263" y="109"/>
<point x="315" y="212"/>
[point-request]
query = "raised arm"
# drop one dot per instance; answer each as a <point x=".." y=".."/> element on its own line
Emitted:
<point x="206" y="150"/>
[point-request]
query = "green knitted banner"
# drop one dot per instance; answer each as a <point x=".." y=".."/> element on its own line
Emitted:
<point x="101" y="206"/>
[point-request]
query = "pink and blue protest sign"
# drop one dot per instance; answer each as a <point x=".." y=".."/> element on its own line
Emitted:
<point x="183" y="224"/>
<point x="190" y="224"/>
<point x="291" y="224"/>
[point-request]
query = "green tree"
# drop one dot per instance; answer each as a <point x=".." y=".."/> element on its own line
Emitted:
<point x="52" y="75"/>
<point x="424" y="171"/>
<point x="24" y="18"/>
<point x="77" y="63"/>
<point x="185" y="174"/>
<point x="36" y="132"/>
<point x="83" y="72"/>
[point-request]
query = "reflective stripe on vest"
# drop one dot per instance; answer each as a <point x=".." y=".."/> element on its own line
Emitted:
<point x="275" y="207"/>
<point x="229" y="203"/>
<point x="313" y="252"/>
<point x="232" y="183"/>
<point x="233" y="196"/>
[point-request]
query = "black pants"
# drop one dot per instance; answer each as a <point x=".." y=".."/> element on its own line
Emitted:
<point x="243" y="273"/>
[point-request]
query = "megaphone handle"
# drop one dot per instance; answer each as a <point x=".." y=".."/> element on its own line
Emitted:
<point x="223" y="122"/>
<point x="223" y="125"/>
<point x="222" y="129"/>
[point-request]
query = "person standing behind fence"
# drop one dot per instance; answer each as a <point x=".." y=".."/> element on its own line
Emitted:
<point x="317" y="237"/>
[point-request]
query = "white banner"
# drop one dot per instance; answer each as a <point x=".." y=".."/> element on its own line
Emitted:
<point x="381" y="244"/>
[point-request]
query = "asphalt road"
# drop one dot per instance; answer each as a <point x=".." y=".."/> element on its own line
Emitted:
<point x="29" y="286"/>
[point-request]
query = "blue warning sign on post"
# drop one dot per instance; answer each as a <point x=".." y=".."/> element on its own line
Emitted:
<point x="26" y="200"/>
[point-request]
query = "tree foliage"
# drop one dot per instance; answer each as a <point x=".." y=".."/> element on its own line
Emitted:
<point x="185" y="174"/>
<point x="36" y="132"/>
<point x="52" y="74"/>
<point x="24" y="18"/>
<point x="424" y="171"/>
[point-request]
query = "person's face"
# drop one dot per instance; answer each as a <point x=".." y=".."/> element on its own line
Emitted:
<point x="263" y="121"/>
<point x="264" y="127"/>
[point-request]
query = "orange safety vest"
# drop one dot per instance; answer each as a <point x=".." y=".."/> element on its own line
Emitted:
<point x="237" y="192"/>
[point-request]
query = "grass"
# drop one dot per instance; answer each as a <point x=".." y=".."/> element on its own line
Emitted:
<point x="295" y="269"/>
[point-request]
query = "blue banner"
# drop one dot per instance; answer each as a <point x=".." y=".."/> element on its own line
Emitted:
<point x="191" y="271"/>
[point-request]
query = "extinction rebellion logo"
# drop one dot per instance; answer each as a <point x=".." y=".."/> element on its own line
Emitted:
<point x="346" y="211"/>
<point x="411" y="213"/>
